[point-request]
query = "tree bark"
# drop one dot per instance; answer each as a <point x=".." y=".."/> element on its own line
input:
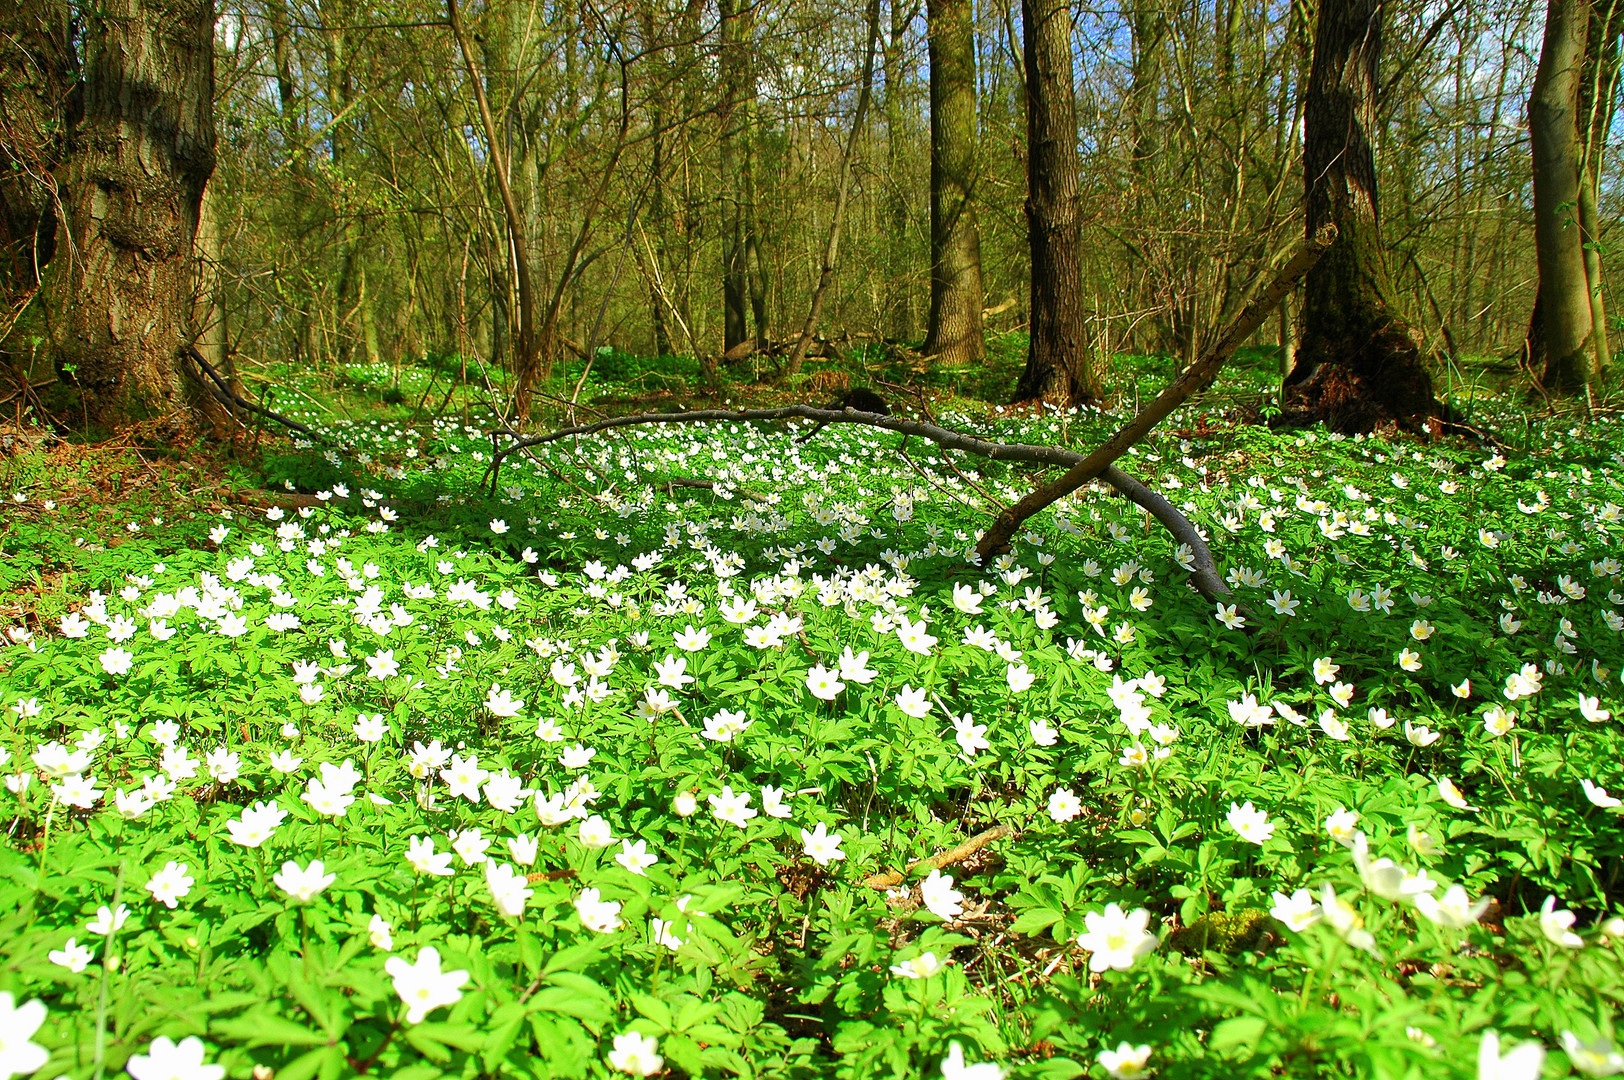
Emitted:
<point x="1358" y="363"/>
<point x="1060" y="364"/>
<point x="1598" y="99"/>
<point x="1553" y="121"/>
<point x="140" y="158"/>
<point x="953" y="331"/>
<point x="37" y="73"/>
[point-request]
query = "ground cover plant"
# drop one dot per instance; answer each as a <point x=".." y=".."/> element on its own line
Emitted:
<point x="607" y="775"/>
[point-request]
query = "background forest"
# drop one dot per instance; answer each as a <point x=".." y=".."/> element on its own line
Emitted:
<point x="407" y="181"/>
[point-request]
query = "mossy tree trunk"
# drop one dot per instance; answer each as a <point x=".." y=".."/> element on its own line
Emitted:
<point x="1358" y="364"/>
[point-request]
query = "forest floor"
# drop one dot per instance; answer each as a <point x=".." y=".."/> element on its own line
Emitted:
<point x="328" y="758"/>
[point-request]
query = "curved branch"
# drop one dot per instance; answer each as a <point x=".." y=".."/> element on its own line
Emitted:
<point x="1195" y="377"/>
<point x="1204" y="576"/>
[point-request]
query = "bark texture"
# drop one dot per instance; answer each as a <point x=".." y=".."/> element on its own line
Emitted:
<point x="953" y="332"/>
<point x="1359" y="364"/>
<point x="37" y="72"/>
<point x="1570" y="110"/>
<point x="1060" y="366"/>
<point x="139" y="159"/>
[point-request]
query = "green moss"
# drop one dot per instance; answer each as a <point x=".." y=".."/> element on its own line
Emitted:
<point x="1227" y="932"/>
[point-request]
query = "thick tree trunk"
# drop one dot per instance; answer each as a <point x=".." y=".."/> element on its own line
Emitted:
<point x="141" y="156"/>
<point x="1060" y="366"/>
<point x="1558" y="152"/>
<point x="1358" y="363"/>
<point x="953" y="332"/>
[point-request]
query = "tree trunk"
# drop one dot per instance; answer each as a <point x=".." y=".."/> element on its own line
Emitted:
<point x="527" y="346"/>
<point x="1598" y="98"/>
<point x="1060" y="366"/>
<point x="953" y="332"/>
<point x="141" y="155"/>
<point x="732" y="66"/>
<point x="1359" y="363"/>
<point x="1553" y="122"/>
<point x="899" y="319"/>
<point x="36" y="76"/>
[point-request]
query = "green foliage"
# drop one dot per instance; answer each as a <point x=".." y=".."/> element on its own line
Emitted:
<point x="312" y="661"/>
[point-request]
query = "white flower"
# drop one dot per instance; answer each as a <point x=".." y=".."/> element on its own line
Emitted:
<point x="1386" y="878"/>
<point x="169" y="1060"/>
<point x="1126" y="1062"/>
<point x="380" y="933"/>
<point x="18" y="1023"/>
<point x="731" y="808"/>
<point x="601" y="916"/>
<point x="425" y="860"/>
<point x="1348" y="923"/>
<point x="1063" y="805"/>
<point x="1454" y="909"/>
<point x="1298" y="911"/>
<point x="170" y="885"/>
<point x="1590" y="708"/>
<point x="1116" y="938"/>
<point x="1452" y="794"/>
<point x="502" y="703"/>
<point x="855" y="668"/>
<point x="1599" y="797"/>
<point x="73" y="956"/>
<point x="954" y="1067"/>
<point x="304" y="885"/>
<point x="823" y="684"/>
<point x="1525" y="1062"/>
<point x="912" y="702"/>
<point x="1249" y="823"/>
<point x="636" y="1055"/>
<point x="922" y="966"/>
<point x="1420" y="735"/>
<point x="1599" y="1057"/>
<point x="423" y="986"/>
<point x="108" y="920"/>
<point x="940" y="897"/>
<point x="1557" y="925"/>
<point x="636" y="857"/>
<point x="821" y="846"/>
<point x="509" y="888"/>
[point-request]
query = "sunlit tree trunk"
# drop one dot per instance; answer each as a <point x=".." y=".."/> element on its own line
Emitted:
<point x="953" y="332"/>
<point x="1558" y="151"/>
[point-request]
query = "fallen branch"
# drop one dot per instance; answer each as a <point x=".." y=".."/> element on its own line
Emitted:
<point x="1198" y="375"/>
<point x="893" y="878"/>
<point x="226" y="396"/>
<point x="1204" y="576"/>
